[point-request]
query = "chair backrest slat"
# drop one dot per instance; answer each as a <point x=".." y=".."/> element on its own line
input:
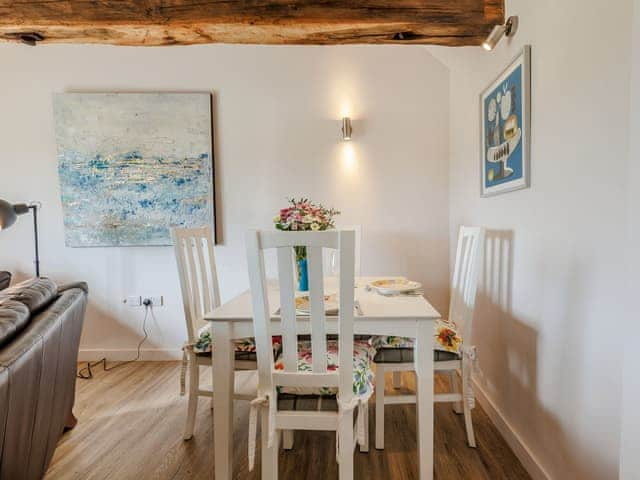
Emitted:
<point x="213" y="269"/>
<point x="316" y="300"/>
<point x="470" y="280"/>
<point x="261" y="313"/>
<point x="206" y="297"/>
<point x="196" y="299"/>
<point x="315" y="242"/>
<point x="347" y="282"/>
<point x="288" y="309"/>
<point x="195" y="259"/>
<point x="465" y="277"/>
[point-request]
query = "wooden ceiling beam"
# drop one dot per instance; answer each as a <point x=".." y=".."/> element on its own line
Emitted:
<point x="279" y="22"/>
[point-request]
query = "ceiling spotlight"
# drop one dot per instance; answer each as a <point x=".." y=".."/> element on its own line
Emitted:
<point x="508" y="30"/>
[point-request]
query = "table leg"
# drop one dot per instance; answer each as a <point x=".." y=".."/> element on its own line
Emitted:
<point x="223" y="386"/>
<point x="424" y="398"/>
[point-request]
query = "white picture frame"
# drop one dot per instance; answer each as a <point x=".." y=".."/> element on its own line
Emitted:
<point x="505" y="129"/>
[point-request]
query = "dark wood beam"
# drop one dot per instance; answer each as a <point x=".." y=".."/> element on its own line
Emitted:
<point x="185" y="22"/>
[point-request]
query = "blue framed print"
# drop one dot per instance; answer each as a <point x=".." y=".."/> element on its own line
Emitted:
<point x="505" y="125"/>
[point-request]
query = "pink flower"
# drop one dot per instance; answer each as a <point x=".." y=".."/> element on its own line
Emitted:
<point x="303" y="214"/>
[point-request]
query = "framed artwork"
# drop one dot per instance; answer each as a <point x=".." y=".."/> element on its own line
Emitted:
<point x="505" y="126"/>
<point x="131" y="166"/>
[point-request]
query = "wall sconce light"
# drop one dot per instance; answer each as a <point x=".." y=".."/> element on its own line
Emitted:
<point x="507" y="30"/>
<point x="346" y="129"/>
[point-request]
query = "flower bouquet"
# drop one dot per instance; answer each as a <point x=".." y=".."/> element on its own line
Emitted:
<point x="303" y="215"/>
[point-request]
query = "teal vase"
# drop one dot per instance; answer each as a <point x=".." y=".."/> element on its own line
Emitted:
<point x="303" y="275"/>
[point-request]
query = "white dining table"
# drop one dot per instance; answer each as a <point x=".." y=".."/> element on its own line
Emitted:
<point x="406" y="316"/>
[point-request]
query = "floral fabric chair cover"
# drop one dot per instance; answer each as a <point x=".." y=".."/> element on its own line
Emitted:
<point x="363" y="375"/>
<point x="204" y="345"/>
<point x="445" y="338"/>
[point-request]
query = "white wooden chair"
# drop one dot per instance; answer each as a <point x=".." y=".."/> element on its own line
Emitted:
<point x="331" y="266"/>
<point x="463" y="296"/>
<point x="275" y="420"/>
<point x="200" y="294"/>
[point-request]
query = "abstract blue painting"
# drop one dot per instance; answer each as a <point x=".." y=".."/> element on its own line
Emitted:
<point x="132" y="166"/>
<point x="506" y="128"/>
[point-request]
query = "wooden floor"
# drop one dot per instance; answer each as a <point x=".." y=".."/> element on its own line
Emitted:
<point x="131" y="420"/>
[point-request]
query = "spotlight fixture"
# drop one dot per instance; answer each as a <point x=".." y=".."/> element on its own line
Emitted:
<point x="508" y="30"/>
<point x="346" y="129"/>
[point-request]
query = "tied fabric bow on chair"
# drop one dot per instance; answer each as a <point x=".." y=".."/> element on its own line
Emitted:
<point x="183" y="372"/>
<point x="469" y="366"/>
<point x="256" y="404"/>
<point x="343" y="408"/>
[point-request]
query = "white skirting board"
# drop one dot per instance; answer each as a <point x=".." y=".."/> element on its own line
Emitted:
<point x="524" y="454"/>
<point x="148" y="355"/>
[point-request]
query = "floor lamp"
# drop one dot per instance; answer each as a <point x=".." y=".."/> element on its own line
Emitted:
<point x="9" y="214"/>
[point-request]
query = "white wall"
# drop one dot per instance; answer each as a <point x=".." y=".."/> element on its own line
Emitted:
<point x="630" y="460"/>
<point x="277" y="130"/>
<point x="551" y="318"/>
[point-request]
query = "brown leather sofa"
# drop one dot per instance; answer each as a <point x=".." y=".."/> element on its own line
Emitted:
<point x="40" y="327"/>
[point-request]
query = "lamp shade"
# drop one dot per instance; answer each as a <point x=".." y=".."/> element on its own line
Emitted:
<point x="508" y="29"/>
<point x="7" y="214"/>
<point x="494" y="37"/>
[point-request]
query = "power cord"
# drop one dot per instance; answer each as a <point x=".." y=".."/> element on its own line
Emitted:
<point x="86" y="373"/>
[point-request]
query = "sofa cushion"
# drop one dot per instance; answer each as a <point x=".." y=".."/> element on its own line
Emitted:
<point x="35" y="293"/>
<point x="14" y="317"/>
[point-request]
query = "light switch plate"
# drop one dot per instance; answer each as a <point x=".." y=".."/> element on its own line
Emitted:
<point x="133" y="301"/>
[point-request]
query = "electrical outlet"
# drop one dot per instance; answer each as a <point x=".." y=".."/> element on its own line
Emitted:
<point x="133" y="301"/>
<point x="156" y="300"/>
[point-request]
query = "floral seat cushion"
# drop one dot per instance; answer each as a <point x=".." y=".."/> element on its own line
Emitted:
<point x="362" y="373"/>
<point x="445" y="339"/>
<point x="245" y="345"/>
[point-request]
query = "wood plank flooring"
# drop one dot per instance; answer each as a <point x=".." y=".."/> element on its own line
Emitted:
<point x="131" y="420"/>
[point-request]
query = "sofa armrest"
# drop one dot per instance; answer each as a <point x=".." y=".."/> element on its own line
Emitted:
<point x="69" y="286"/>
